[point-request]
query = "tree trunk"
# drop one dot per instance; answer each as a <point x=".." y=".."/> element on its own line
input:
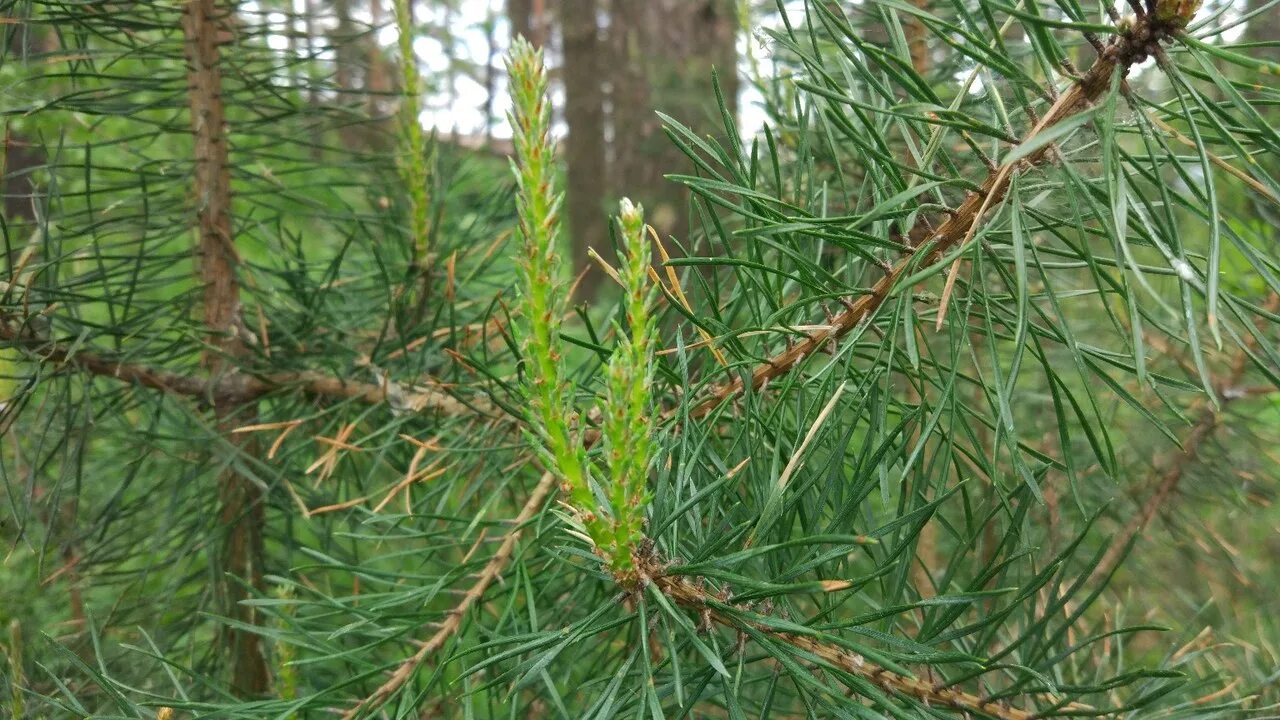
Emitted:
<point x="490" y="74"/>
<point x="20" y="158"/>
<point x="342" y="46"/>
<point x="528" y="20"/>
<point x="379" y="73"/>
<point x="239" y="562"/>
<point x="519" y="13"/>
<point x="663" y="54"/>
<point x="585" y="148"/>
<point x="918" y="39"/>
<point x="1264" y="27"/>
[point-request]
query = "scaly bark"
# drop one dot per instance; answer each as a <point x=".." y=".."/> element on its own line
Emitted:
<point x="528" y="20"/>
<point x="239" y="560"/>
<point x="663" y="52"/>
<point x="585" y="146"/>
<point x="918" y="39"/>
<point x="961" y="226"/>
<point x="232" y="389"/>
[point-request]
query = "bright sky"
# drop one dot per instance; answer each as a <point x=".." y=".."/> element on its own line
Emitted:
<point x="464" y="111"/>
<point x="460" y="105"/>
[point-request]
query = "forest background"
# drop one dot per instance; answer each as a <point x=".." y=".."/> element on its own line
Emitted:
<point x="313" y="496"/>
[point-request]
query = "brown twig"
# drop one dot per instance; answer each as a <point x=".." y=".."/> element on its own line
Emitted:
<point x="239" y="387"/>
<point x="453" y="622"/>
<point x="959" y="228"/>
<point x="962" y="225"/>
<point x="1167" y="481"/>
<point x="401" y="397"/>
<point x="95" y="364"/>
<point x="688" y="594"/>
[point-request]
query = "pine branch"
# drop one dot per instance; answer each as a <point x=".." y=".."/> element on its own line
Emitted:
<point x="399" y="396"/>
<point x="1120" y="55"/>
<point x="687" y="594"/>
<point x="1166" y="484"/>
<point x="52" y="353"/>
<point x="237" y="388"/>
<point x="492" y="570"/>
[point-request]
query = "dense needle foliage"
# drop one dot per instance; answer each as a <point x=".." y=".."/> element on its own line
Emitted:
<point x="300" y="417"/>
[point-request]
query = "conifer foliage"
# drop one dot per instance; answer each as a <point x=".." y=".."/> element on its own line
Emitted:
<point x="300" y="417"/>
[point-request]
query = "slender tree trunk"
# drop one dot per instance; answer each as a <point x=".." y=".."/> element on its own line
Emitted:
<point x="349" y="77"/>
<point x="918" y="39"/>
<point x="1264" y="27"/>
<point x="518" y="14"/>
<point x="663" y="55"/>
<point x="309" y="12"/>
<point x="19" y="161"/>
<point x="585" y="148"/>
<point x="490" y="74"/>
<point x="342" y="45"/>
<point x="20" y="158"/>
<point x="538" y="20"/>
<point x="528" y="20"/>
<point x="291" y="37"/>
<point x="379" y="72"/>
<point x="450" y="42"/>
<point x="239" y="561"/>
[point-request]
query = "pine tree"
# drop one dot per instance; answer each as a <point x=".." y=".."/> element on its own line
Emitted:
<point x="293" y="431"/>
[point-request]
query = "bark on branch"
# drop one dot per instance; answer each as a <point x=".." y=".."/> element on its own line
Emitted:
<point x="1166" y="482"/>
<point x="689" y="595"/>
<point x="240" y="560"/>
<point x="1123" y="52"/>
<point x="236" y="388"/>
<point x="453" y="621"/>
<point x="1119" y="56"/>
